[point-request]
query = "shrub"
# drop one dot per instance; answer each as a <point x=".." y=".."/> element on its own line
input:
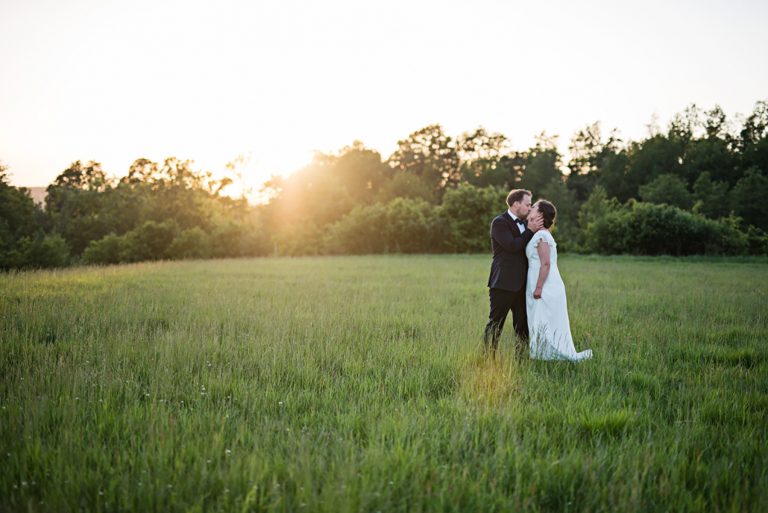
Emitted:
<point x="749" y="198"/>
<point x="413" y="226"/>
<point x="230" y="239"/>
<point x="150" y="241"/>
<point x="667" y="189"/>
<point x="649" y="229"/>
<point x="107" y="250"/>
<point x="401" y="226"/>
<point x="43" y="251"/>
<point x="359" y="232"/>
<point x="190" y="243"/>
<point x="466" y="213"/>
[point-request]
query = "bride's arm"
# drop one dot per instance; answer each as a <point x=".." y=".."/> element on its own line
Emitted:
<point x="543" y="250"/>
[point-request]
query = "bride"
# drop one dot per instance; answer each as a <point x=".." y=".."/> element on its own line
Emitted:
<point x="545" y="295"/>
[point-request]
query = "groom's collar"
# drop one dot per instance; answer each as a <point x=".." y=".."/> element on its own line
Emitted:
<point x="513" y="216"/>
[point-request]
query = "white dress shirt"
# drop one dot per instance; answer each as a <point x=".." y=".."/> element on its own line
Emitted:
<point x="515" y="218"/>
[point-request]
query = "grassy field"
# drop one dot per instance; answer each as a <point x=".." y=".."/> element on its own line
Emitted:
<point x="356" y="384"/>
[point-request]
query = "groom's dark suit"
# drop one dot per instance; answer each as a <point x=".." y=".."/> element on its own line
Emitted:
<point x="509" y="271"/>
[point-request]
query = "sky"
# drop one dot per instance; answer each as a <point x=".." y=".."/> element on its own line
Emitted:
<point x="275" y="81"/>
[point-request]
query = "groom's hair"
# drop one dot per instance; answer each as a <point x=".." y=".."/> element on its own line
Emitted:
<point x="517" y="195"/>
<point x="548" y="212"/>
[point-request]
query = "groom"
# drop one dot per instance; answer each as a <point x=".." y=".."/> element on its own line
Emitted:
<point x="509" y="235"/>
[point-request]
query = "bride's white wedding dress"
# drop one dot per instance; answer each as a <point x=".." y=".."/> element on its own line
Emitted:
<point x="548" y="324"/>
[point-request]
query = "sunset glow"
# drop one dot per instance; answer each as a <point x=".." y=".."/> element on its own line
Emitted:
<point x="115" y="81"/>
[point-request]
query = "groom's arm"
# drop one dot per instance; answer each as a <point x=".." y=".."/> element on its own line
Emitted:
<point x="501" y="233"/>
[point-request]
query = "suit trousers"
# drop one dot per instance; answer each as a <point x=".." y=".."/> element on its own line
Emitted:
<point x="502" y="301"/>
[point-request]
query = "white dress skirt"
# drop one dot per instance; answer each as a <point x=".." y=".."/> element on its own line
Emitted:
<point x="548" y="324"/>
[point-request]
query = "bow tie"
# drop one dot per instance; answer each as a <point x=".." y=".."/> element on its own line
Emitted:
<point x="520" y="221"/>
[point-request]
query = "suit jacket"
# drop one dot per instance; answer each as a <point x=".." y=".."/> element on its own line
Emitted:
<point x="509" y="268"/>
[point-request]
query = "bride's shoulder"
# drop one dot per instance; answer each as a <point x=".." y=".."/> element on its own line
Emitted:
<point x="546" y="236"/>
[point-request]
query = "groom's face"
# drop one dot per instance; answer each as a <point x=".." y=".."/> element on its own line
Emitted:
<point x="522" y="208"/>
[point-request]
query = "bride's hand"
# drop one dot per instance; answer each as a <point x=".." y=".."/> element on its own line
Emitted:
<point x="537" y="293"/>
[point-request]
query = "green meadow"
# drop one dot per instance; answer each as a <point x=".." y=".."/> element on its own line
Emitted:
<point x="346" y="384"/>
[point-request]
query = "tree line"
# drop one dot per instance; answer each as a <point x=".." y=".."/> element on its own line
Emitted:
<point x="698" y="187"/>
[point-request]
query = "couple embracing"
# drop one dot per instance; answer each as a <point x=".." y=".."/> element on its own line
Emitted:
<point x="525" y="279"/>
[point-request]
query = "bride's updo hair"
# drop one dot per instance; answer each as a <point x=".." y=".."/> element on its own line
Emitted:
<point x="548" y="212"/>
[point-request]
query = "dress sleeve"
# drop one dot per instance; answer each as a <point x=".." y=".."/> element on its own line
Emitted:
<point x="545" y="236"/>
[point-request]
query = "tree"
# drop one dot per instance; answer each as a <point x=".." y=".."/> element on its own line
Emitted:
<point x="467" y="213"/>
<point x="19" y="218"/>
<point x="585" y="148"/>
<point x="612" y="175"/>
<point x="749" y="198"/>
<point x="75" y="202"/>
<point x="430" y="154"/>
<point x="406" y="185"/>
<point x="685" y="125"/>
<point x="360" y="170"/>
<point x="753" y="139"/>
<point x="83" y="176"/>
<point x="482" y="156"/>
<point x="716" y="124"/>
<point x="655" y="156"/>
<point x="142" y="171"/>
<point x="711" y="196"/>
<point x="588" y="155"/>
<point x="542" y="165"/>
<point x="710" y="155"/>
<point x="566" y="224"/>
<point x="667" y="189"/>
<point x="312" y="194"/>
<point x="755" y="127"/>
<point x="597" y="206"/>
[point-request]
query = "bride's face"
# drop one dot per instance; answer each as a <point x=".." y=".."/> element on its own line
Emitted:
<point x="534" y="213"/>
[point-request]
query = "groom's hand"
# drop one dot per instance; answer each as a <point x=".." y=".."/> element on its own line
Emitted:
<point x="535" y="224"/>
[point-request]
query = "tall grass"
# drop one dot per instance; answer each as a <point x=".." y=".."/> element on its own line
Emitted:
<point x="357" y="384"/>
